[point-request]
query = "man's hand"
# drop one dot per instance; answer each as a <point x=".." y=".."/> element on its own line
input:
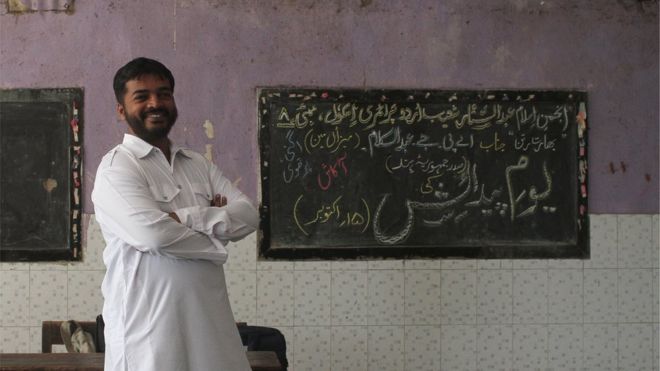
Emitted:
<point x="175" y="217"/>
<point x="219" y="201"/>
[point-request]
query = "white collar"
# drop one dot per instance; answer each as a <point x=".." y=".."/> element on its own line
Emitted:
<point x="139" y="148"/>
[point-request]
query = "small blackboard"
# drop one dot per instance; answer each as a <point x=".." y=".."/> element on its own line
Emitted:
<point x="40" y="174"/>
<point x="415" y="173"/>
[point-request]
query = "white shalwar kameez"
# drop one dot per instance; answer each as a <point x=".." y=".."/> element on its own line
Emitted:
<point x="166" y="304"/>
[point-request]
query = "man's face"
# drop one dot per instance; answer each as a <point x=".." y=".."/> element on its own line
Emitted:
<point x="148" y="107"/>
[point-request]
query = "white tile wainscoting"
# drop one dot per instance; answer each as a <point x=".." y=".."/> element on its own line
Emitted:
<point x="597" y="314"/>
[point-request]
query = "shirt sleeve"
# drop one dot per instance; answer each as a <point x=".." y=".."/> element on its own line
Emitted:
<point x="124" y="202"/>
<point x="231" y="222"/>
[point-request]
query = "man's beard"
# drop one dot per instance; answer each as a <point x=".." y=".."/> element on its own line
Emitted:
<point x="140" y="129"/>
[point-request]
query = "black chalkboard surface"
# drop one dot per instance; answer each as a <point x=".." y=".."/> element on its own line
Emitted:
<point x="408" y="174"/>
<point x="40" y="172"/>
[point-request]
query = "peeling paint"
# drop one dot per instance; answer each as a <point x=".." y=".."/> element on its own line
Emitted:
<point x="209" y="152"/>
<point x="502" y="58"/>
<point x="174" y="31"/>
<point x="74" y="126"/>
<point x="49" y="184"/>
<point x="209" y="129"/>
<point x="30" y="6"/>
<point x="16" y="6"/>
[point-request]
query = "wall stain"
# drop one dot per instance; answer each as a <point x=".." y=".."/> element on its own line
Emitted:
<point x="19" y="7"/>
<point x="49" y="184"/>
<point x="641" y="6"/>
<point x="16" y="6"/>
<point x="336" y="6"/>
<point x="208" y="129"/>
<point x="209" y="152"/>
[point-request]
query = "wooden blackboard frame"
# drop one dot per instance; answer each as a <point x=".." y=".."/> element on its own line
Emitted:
<point x="280" y="95"/>
<point x="71" y="126"/>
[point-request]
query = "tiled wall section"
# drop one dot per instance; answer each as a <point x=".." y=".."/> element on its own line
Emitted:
<point x="599" y="314"/>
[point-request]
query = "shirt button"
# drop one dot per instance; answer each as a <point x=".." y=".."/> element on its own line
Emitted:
<point x="165" y="197"/>
<point x="179" y="186"/>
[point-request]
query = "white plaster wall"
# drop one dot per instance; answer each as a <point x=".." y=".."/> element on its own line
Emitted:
<point x="598" y="314"/>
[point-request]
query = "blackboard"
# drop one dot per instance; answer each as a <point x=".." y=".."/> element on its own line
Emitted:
<point x="414" y="173"/>
<point x="40" y="174"/>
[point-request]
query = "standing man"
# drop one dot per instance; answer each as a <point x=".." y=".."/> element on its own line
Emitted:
<point x="166" y="214"/>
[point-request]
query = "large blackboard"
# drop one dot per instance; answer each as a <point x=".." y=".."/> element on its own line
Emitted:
<point x="393" y="173"/>
<point x="40" y="174"/>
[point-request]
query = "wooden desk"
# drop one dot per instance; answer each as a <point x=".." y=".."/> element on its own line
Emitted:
<point x="259" y="361"/>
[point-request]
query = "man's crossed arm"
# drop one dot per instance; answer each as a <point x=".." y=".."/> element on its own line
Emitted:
<point x="218" y="201"/>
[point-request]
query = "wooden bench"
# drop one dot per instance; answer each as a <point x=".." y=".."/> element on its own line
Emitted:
<point x="50" y="335"/>
<point x="259" y="361"/>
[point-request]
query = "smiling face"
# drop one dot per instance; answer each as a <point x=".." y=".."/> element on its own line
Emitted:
<point x="148" y="107"/>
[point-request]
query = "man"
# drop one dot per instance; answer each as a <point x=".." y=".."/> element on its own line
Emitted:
<point x="166" y="214"/>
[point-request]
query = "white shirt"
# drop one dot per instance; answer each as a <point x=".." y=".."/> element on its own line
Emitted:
<point x="166" y="304"/>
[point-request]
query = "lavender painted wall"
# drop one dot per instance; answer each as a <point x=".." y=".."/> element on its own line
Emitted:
<point x="220" y="50"/>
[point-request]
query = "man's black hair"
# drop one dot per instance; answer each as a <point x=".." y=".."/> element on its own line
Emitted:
<point x="136" y="68"/>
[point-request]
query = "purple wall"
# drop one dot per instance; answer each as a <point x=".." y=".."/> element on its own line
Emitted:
<point x="220" y="50"/>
